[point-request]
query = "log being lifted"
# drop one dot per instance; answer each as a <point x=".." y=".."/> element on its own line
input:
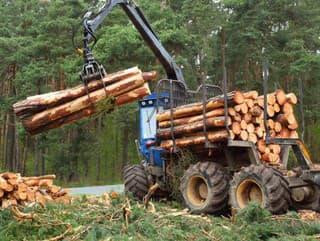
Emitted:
<point x="91" y="110"/>
<point x="42" y="112"/>
<point x="37" y="103"/>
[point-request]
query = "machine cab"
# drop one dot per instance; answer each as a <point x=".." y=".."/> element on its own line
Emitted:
<point x="148" y="109"/>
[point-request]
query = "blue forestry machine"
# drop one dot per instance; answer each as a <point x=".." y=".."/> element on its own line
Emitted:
<point x="219" y="175"/>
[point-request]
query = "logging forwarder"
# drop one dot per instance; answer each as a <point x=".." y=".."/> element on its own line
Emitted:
<point x="210" y="176"/>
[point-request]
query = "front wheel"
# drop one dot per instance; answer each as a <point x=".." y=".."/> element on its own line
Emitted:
<point x="135" y="180"/>
<point x="261" y="184"/>
<point x="204" y="187"/>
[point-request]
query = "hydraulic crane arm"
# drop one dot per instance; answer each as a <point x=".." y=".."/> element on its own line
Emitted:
<point x="140" y="22"/>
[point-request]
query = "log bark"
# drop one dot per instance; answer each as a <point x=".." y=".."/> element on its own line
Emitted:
<point x="219" y="136"/>
<point x="213" y="122"/>
<point x="235" y="97"/>
<point x="39" y="111"/>
<point x="41" y="102"/>
<point x="186" y="120"/>
<point x="83" y="102"/>
<point x="125" y="98"/>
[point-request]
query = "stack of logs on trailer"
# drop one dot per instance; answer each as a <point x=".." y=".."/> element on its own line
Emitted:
<point x="245" y="121"/>
<point x="15" y="189"/>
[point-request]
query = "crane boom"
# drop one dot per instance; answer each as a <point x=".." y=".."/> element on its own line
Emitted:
<point x="139" y="20"/>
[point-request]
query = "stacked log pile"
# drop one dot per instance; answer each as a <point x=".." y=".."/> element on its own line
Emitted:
<point x="245" y="119"/>
<point x="15" y="189"/>
<point x="47" y="111"/>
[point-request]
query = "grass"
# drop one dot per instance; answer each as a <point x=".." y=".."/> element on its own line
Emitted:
<point x="104" y="218"/>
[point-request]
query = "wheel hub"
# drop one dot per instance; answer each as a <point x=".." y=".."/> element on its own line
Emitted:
<point x="197" y="190"/>
<point x="249" y="190"/>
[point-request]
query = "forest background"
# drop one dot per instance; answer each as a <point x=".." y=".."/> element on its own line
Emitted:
<point x="37" y="56"/>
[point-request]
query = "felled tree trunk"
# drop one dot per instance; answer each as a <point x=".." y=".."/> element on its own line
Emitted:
<point x="214" y="136"/>
<point x="197" y="108"/>
<point x="51" y="110"/>
<point x="186" y="120"/>
<point x="210" y="123"/>
<point x="91" y="110"/>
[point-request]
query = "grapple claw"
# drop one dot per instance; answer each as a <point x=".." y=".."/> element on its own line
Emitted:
<point x="92" y="71"/>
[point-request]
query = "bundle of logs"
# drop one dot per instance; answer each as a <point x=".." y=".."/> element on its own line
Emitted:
<point x="15" y="189"/>
<point x="47" y="111"/>
<point x="245" y="121"/>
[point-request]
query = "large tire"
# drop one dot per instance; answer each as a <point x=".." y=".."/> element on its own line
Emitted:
<point x="204" y="187"/>
<point x="261" y="184"/>
<point x="135" y="180"/>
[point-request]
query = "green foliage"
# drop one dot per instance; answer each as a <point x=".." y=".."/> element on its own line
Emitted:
<point x="92" y="218"/>
<point x="36" y="36"/>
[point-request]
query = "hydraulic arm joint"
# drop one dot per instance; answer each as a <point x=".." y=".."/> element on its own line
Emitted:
<point x="91" y="70"/>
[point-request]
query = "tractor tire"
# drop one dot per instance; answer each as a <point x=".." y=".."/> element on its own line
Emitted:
<point x="262" y="184"/>
<point x="135" y="180"/>
<point x="204" y="187"/>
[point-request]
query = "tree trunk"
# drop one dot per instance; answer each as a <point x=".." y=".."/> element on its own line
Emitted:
<point x="99" y="152"/>
<point x="17" y="148"/>
<point x="10" y="141"/>
<point x="301" y="109"/>
<point x="36" y="155"/>
<point x="22" y="168"/>
<point x="125" y="143"/>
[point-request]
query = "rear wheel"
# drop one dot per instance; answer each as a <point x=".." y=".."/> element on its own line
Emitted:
<point x="135" y="180"/>
<point x="260" y="184"/>
<point x="204" y="187"/>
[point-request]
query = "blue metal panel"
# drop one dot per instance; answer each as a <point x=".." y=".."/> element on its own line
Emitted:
<point x="148" y="141"/>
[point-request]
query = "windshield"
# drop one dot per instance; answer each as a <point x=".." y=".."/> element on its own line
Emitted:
<point x="148" y="122"/>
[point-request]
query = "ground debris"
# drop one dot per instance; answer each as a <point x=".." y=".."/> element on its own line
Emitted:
<point x="308" y="215"/>
<point x="117" y="217"/>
